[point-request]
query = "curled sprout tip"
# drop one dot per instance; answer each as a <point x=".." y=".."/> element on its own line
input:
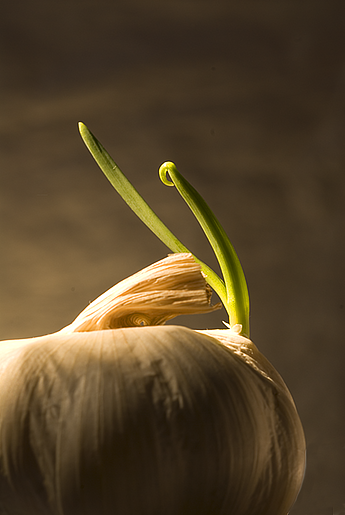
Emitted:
<point x="164" y="170"/>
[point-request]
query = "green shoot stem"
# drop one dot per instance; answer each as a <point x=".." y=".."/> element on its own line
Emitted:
<point x="237" y="301"/>
<point x="233" y="291"/>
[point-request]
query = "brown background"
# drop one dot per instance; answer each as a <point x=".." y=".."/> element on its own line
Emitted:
<point x="248" y="99"/>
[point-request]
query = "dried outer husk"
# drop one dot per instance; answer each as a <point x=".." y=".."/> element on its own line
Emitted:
<point x="145" y="421"/>
<point x="170" y="287"/>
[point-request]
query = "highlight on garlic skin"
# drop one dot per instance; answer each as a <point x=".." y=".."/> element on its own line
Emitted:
<point x="118" y="413"/>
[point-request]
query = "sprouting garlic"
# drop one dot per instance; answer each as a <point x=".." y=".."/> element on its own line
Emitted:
<point x="103" y="419"/>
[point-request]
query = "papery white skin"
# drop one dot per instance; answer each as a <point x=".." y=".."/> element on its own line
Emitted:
<point x="145" y="421"/>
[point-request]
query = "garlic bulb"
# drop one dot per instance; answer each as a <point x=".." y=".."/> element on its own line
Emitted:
<point x="118" y="413"/>
<point x="145" y="420"/>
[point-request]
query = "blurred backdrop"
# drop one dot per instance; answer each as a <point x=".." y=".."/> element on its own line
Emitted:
<point x="247" y="98"/>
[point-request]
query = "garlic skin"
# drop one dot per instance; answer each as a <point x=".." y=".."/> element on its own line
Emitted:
<point x="146" y="420"/>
